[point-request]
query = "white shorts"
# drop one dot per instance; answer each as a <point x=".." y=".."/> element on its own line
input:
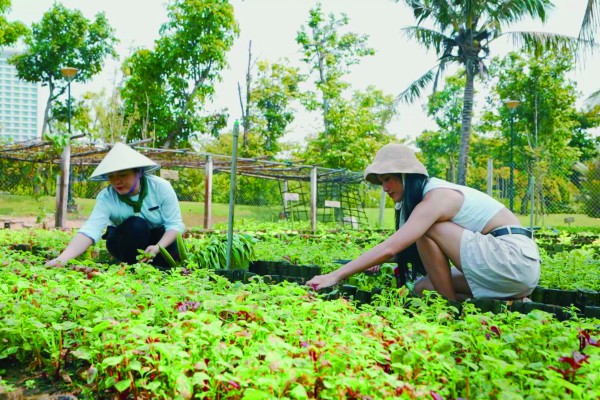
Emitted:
<point x="506" y="266"/>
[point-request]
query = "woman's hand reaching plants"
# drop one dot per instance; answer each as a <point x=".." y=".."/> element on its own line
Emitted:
<point x="323" y="281"/>
<point x="374" y="268"/>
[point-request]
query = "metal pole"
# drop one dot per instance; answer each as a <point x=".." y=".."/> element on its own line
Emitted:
<point x="313" y="199"/>
<point x="532" y="199"/>
<point x="208" y="188"/>
<point x="511" y="187"/>
<point x="236" y="133"/>
<point x="70" y="201"/>
<point x="69" y="104"/>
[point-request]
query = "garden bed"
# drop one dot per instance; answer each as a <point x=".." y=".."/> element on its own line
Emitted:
<point x="114" y="331"/>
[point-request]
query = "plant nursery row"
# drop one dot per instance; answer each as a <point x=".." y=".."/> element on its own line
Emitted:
<point x="96" y="329"/>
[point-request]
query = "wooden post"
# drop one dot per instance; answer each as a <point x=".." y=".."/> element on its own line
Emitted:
<point x="208" y="181"/>
<point x="232" y="183"/>
<point x="62" y="188"/>
<point x="313" y="199"/>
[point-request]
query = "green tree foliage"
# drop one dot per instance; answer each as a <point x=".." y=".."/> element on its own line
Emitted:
<point x="582" y="138"/>
<point x="276" y="86"/>
<point x="591" y="188"/>
<point x="441" y="147"/>
<point x="546" y="121"/>
<point x="249" y="190"/>
<point x="329" y="54"/>
<point x="167" y="88"/>
<point x="361" y="129"/>
<point x="63" y="38"/>
<point x="10" y="32"/>
<point x="461" y="32"/>
<point x="104" y="118"/>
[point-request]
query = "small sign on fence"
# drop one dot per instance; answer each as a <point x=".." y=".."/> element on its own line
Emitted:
<point x="291" y="197"/>
<point x="169" y="174"/>
<point x="353" y="221"/>
<point x="333" y="204"/>
<point x="568" y="220"/>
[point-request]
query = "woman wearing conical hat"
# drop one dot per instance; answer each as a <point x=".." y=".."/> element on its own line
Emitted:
<point x="492" y="255"/>
<point x="139" y="211"/>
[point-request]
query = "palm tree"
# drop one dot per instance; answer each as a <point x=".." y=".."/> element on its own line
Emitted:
<point x="591" y="20"/>
<point x="589" y="27"/>
<point x="461" y="33"/>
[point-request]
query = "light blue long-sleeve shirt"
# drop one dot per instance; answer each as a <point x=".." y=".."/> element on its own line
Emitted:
<point x="160" y="207"/>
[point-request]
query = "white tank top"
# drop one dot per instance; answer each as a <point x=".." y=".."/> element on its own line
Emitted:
<point x="477" y="208"/>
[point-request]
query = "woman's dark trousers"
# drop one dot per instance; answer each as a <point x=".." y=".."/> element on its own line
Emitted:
<point x="134" y="233"/>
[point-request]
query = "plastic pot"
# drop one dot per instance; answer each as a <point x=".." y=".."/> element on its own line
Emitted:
<point x="348" y="291"/>
<point x="247" y="276"/>
<point x="363" y="296"/>
<point x="552" y="296"/>
<point x="537" y="296"/>
<point x="530" y="306"/>
<point x="499" y="306"/>
<point x="484" y="305"/>
<point x="591" y="312"/>
<point x="568" y="298"/>
<point x="330" y="293"/>
<point x="587" y="298"/>
<point x="518" y="306"/>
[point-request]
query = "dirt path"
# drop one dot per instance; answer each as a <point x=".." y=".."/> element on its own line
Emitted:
<point x="31" y="222"/>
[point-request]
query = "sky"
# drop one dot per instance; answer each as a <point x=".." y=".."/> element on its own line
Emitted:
<point x="272" y="26"/>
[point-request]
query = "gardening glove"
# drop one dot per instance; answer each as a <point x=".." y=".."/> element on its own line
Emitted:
<point x="322" y="281"/>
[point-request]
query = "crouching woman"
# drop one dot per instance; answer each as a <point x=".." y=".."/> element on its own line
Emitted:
<point x="492" y="255"/>
<point x="139" y="211"/>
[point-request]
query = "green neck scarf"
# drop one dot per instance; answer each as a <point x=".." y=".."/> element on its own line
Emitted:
<point x="137" y="204"/>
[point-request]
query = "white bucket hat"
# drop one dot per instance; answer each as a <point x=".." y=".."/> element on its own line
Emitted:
<point x="122" y="157"/>
<point x="394" y="158"/>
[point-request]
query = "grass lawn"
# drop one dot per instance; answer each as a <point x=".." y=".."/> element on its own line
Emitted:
<point x="13" y="206"/>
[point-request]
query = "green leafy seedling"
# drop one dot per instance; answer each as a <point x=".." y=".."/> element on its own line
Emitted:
<point x="183" y="253"/>
<point x="142" y="255"/>
<point x="172" y="263"/>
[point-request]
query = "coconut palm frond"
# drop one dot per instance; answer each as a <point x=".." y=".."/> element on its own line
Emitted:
<point x="420" y="10"/>
<point x="591" y="21"/>
<point x="513" y="11"/>
<point x="483" y="70"/>
<point x="447" y="14"/>
<point x="428" y="37"/>
<point x="444" y="62"/>
<point x="537" y="42"/>
<point x="593" y="99"/>
<point x="413" y="92"/>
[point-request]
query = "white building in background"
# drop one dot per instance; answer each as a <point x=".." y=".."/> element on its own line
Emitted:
<point x="18" y="104"/>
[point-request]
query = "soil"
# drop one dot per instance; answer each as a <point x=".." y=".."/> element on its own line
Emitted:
<point x="74" y="223"/>
<point x="32" y="222"/>
<point x="40" y="387"/>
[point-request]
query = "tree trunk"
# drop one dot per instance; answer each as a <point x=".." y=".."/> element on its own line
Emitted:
<point x="322" y="77"/>
<point x="451" y="173"/>
<point x="46" y="123"/>
<point x="465" y="130"/>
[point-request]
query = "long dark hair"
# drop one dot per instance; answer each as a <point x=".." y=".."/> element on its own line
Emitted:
<point x="413" y="185"/>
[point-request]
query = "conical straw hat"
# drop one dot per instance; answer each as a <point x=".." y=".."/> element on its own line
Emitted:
<point x="122" y="157"/>
<point x="394" y="158"/>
